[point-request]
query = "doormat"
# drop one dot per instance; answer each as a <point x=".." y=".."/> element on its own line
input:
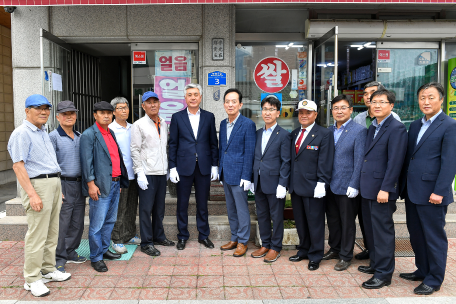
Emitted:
<point x="84" y="250"/>
<point x="403" y="247"/>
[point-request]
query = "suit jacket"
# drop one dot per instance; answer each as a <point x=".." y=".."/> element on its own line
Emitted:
<point x="311" y="165"/>
<point x="96" y="162"/>
<point x="183" y="147"/>
<point x="274" y="164"/>
<point x="383" y="159"/>
<point x="429" y="167"/>
<point x="236" y="155"/>
<point x="348" y="158"/>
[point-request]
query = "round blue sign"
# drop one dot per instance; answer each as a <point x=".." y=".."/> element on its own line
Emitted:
<point x="453" y="78"/>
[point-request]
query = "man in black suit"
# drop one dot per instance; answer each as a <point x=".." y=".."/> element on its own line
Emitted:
<point x="272" y="163"/>
<point x="193" y="159"/>
<point x="383" y="158"/>
<point x="428" y="172"/>
<point x="312" y="155"/>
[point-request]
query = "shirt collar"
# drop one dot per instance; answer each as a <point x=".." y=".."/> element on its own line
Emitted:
<point x="423" y="120"/>
<point x="103" y="131"/>
<point x="63" y="133"/>
<point x="234" y="121"/>
<point x="197" y="112"/>
<point x="379" y="125"/>
<point x="309" y="127"/>
<point x="118" y="126"/>
<point x="33" y="127"/>
<point x="342" y="126"/>
<point x="271" y="128"/>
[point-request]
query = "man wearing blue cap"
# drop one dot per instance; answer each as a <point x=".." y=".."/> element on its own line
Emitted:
<point x="38" y="173"/>
<point x="149" y="138"/>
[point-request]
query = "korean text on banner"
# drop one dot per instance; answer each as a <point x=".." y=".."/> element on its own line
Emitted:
<point x="173" y="63"/>
<point x="451" y="96"/>
<point x="170" y="91"/>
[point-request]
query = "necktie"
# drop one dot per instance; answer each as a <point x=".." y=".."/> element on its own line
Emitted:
<point x="298" y="143"/>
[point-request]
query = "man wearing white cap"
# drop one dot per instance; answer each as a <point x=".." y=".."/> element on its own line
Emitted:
<point x="311" y="169"/>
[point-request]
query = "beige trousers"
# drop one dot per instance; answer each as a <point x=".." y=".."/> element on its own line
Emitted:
<point x="43" y="228"/>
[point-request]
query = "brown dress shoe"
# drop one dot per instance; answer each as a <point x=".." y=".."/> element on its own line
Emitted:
<point x="260" y="252"/>
<point x="229" y="246"/>
<point x="241" y="249"/>
<point x="272" y="256"/>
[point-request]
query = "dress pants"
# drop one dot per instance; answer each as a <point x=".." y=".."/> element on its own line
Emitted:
<point x="202" y="188"/>
<point x="71" y="223"/>
<point x="425" y="224"/>
<point x="309" y="214"/>
<point x="379" y="227"/>
<point x="125" y="227"/>
<point x="340" y="215"/>
<point x="360" y="219"/>
<point x="238" y="212"/>
<point x="269" y="207"/>
<point x="152" y="203"/>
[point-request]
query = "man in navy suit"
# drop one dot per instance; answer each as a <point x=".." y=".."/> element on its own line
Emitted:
<point x="428" y="172"/>
<point x="312" y="156"/>
<point x="342" y="203"/>
<point x="236" y="151"/>
<point x="271" y="170"/>
<point x="383" y="158"/>
<point x="193" y="159"/>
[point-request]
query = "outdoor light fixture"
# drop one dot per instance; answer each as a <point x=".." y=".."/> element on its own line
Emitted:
<point x="367" y="45"/>
<point x="287" y="46"/>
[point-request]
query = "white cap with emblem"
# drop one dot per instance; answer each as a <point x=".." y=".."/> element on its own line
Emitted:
<point x="307" y="105"/>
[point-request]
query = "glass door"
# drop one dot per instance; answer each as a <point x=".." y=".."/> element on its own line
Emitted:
<point x="325" y="65"/>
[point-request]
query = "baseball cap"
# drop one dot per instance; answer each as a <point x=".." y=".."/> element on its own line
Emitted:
<point x="103" y="106"/>
<point x="36" y="100"/>
<point x="66" y="106"/>
<point x="148" y="95"/>
<point x="306" y="105"/>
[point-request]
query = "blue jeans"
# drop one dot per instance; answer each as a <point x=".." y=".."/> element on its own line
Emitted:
<point x="103" y="216"/>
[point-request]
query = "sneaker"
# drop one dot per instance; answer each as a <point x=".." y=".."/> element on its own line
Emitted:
<point x="119" y="248"/>
<point x="56" y="276"/>
<point x="134" y="241"/>
<point x="78" y="260"/>
<point x="37" y="288"/>
<point x="61" y="268"/>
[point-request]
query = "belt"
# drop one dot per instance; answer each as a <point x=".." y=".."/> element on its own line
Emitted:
<point x="71" y="179"/>
<point x="46" y="176"/>
<point x="116" y="179"/>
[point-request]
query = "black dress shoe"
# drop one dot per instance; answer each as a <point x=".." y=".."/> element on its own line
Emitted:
<point x="410" y="277"/>
<point x="313" y="266"/>
<point x="99" y="266"/>
<point x="363" y="255"/>
<point x="374" y="283"/>
<point x="424" y="289"/>
<point x="108" y="255"/>
<point x="181" y="244"/>
<point x="296" y="258"/>
<point x="207" y="243"/>
<point x="366" y="269"/>
<point x="330" y="255"/>
<point x="150" y="250"/>
<point x="166" y="242"/>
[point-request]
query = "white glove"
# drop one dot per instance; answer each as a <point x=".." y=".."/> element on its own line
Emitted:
<point x="214" y="173"/>
<point x="246" y="184"/>
<point x="352" y="192"/>
<point x="252" y="188"/>
<point x="320" y="190"/>
<point x="173" y="175"/>
<point x="142" y="180"/>
<point x="218" y="177"/>
<point x="281" y="191"/>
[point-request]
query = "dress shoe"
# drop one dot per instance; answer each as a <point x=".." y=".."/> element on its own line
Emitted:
<point x="330" y="255"/>
<point x="181" y="244"/>
<point x="424" y="289"/>
<point x="207" y="243"/>
<point x="296" y="258"/>
<point x="410" y="277"/>
<point x="150" y="250"/>
<point x="241" y="249"/>
<point x="108" y="255"/>
<point x="259" y="253"/>
<point x="99" y="266"/>
<point x="272" y="256"/>
<point x="363" y="255"/>
<point x="165" y="242"/>
<point x="374" y="283"/>
<point x="366" y="269"/>
<point x="342" y="265"/>
<point x="313" y="266"/>
<point x="229" y="246"/>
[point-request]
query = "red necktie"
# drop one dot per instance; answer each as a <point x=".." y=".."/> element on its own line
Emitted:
<point x="298" y="143"/>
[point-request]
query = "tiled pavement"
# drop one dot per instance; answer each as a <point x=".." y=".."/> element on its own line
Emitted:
<point x="204" y="274"/>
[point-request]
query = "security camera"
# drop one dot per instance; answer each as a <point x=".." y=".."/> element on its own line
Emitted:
<point x="10" y="9"/>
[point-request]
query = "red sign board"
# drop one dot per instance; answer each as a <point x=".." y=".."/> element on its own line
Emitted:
<point x="271" y="74"/>
<point x="139" y="57"/>
<point x="383" y="55"/>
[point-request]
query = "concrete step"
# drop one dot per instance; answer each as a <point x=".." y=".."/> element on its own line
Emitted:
<point x="400" y="204"/>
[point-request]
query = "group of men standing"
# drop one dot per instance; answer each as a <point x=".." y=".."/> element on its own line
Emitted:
<point x="340" y="172"/>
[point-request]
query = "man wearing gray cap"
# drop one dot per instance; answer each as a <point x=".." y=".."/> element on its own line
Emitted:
<point x="103" y="174"/>
<point x="65" y="140"/>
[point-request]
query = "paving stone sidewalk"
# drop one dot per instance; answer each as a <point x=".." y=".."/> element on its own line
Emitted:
<point x="197" y="273"/>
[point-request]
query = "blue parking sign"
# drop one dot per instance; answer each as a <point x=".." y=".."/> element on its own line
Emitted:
<point x="216" y="78"/>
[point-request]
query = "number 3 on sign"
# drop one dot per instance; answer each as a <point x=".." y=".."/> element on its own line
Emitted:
<point x="217" y="81"/>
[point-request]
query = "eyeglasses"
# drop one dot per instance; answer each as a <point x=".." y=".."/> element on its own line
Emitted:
<point x="270" y="110"/>
<point x="41" y="109"/>
<point x="232" y="101"/>
<point x="340" y="108"/>
<point x="381" y="103"/>
<point x="122" y="109"/>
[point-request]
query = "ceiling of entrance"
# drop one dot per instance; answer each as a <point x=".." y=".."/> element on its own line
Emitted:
<point x="104" y="49"/>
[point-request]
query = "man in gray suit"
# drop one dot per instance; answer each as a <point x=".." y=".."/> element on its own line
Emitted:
<point x="342" y="205"/>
